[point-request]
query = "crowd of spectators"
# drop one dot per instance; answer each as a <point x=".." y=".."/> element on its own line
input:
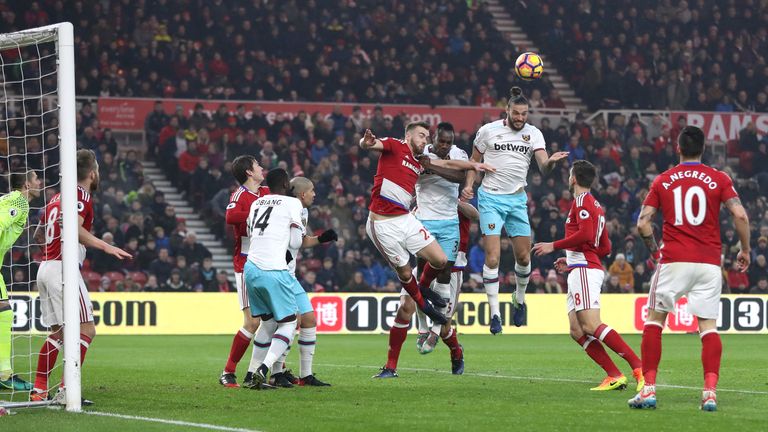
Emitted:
<point x="671" y="54"/>
<point x="444" y="52"/>
<point x="628" y="153"/>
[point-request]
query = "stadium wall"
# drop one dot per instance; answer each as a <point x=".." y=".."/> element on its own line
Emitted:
<point x="142" y="313"/>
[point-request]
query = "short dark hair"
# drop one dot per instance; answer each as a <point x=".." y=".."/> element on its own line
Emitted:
<point x="86" y="162"/>
<point x="584" y="172"/>
<point x="691" y="141"/>
<point x="516" y="97"/>
<point x="445" y="127"/>
<point x="20" y="178"/>
<point x="413" y="125"/>
<point x="276" y="179"/>
<point x="240" y="165"/>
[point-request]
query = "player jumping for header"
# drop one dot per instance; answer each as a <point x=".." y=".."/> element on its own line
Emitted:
<point x="509" y="145"/>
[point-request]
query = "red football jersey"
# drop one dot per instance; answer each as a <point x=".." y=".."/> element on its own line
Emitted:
<point x="237" y="214"/>
<point x="53" y="227"/>
<point x="464" y="224"/>
<point x="394" y="185"/>
<point x="689" y="197"/>
<point x="586" y="239"/>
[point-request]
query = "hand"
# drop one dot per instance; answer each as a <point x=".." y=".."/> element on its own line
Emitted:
<point x="742" y="261"/>
<point x="327" y="236"/>
<point x="557" y="157"/>
<point x="540" y="249"/>
<point x="467" y="193"/>
<point x="118" y="253"/>
<point x="561" y="265"/>
<point x="480" y="167"/>
<point x="369" y="139"/>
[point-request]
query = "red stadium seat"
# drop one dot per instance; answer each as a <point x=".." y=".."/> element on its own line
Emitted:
<point x="114" y="278"/>
<point x="92" y="279"/>
<point x="138" y="277"/>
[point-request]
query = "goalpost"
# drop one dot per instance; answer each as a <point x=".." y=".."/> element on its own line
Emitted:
<point x="29" y="62"/>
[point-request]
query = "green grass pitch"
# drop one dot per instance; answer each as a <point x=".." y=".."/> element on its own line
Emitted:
<point x="511" y="382"/>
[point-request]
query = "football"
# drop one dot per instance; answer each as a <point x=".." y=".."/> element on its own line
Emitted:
<point x="529" y="66"/>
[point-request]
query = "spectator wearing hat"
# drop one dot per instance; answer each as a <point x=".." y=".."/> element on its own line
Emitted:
<point x="761" y="248"/>
<point x="623" y="270"/>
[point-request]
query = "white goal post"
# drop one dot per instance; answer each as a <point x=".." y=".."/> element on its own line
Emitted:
<point x="62" y="36"/>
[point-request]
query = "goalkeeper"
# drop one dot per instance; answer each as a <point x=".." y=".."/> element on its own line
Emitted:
<point x="14" y="208"/>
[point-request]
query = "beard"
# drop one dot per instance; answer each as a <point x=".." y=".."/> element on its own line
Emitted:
<point x="95" y="184"/>
<point x="515" y="128"/>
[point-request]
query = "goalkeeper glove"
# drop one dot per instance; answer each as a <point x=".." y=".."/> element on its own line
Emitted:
<point x="327" y="236"/>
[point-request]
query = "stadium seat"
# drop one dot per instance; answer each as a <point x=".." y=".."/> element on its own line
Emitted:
<point x="138" y="277"/>
<point x="92" y="279"/>
<point x="114" y="278"/>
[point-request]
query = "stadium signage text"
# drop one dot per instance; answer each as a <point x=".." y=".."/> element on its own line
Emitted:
<point x="168" y="313"/>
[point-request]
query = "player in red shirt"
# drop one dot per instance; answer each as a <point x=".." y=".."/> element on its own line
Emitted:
<point x="586" y="241"/>
<point x="689" y="198"/>
<point x="249" y="175"/>
<point x="49" y="275"/>
<point x="393" y="229"/>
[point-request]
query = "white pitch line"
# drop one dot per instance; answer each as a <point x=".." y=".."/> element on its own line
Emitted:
<point x="533" y="378"/>
<point x="170" y="422"/>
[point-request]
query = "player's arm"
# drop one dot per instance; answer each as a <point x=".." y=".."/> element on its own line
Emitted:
<point x="312" y="241"/>
<point x="605" y="244"/>
<point x="585" y="234"/>
<point x="741" y="223"/>
<point x="450" y="174"/>
<point x="645" y="228"/>
<point x="546" y="162"/>
<point x="469" y="211"/>
<point x="462" y="165"/>
<point x="370" y="142"/>
<point x="89" y="240"/>
<point x="236" y="214"/>
<point x="469" y="183"/>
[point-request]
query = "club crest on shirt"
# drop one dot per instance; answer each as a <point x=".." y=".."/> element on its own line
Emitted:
<point x="491" y="226"/>
<point x="526" y="138"/>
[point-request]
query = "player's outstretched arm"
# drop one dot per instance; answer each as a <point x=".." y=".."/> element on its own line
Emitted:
<point x="450" y="174"/>
<point x="469" y="211"/>
<point x="645" y="228"/>
<point x="741" y="223"/>
<point x="547" y="163"/>
<point x="469" y="184"/>
<point x="89" y="240"/>
<point x="584" y="234"/>
<point x="312" y="241"/>
<point x="462" y="165"/>
<point x="370" y="142"/>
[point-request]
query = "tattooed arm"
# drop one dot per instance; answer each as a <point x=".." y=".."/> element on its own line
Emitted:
<point x="741" y="222"/>
<point x="645" y="228"/>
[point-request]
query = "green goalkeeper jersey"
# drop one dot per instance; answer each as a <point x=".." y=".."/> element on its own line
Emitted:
<point x="14" y="209"/>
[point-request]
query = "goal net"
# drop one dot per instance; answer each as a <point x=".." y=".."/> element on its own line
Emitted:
<point x="37" y="132"/>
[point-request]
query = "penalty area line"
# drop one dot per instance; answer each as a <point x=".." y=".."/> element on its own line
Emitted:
<point x="547" y="379"/>
<point x="169" y="422"/>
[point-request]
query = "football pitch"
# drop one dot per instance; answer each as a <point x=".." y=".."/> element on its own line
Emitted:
<point x="511" y="381"/>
